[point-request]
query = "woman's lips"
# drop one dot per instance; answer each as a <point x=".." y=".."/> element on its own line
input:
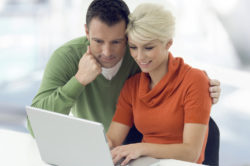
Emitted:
<point x="144" y="64"/>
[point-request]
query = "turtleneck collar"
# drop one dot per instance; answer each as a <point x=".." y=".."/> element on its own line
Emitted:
<point x="171" y="80"/>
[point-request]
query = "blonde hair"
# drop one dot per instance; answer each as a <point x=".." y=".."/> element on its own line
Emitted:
<point x="151" y="22"/>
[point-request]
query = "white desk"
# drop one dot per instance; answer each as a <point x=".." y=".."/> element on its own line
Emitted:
<point x="20" y="149"/>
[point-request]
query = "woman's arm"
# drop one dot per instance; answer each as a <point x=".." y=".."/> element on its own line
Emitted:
<point x="189" y="150"/>
<point x="116" y="134"/>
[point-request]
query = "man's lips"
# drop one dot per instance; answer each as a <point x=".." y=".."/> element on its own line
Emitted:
<point x="107" y="59"/>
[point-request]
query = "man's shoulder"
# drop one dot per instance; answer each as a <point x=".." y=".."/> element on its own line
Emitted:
<point x="79" y="43"/>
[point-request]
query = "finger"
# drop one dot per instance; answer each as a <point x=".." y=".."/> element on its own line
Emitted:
<point x="113" y="153"/>
<point x="98" y="66"/>
<point x="205" y="72"/>
<point x="214" y="82"/>
<point x="127" y="159"/>
<point x="215" y="95"/>
<point x="88" y="50"/>
<point x="95" y="63"/>
<point x="96" y="59"/>
<point x="214" y="89"/>
<point x="117" y="158"/>
<point x="215" y="100"/>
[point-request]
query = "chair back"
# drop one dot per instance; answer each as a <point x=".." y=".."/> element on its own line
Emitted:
<point x="213" y="145"/>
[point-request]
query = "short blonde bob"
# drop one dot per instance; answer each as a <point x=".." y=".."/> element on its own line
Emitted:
<point x="150" y="22"/>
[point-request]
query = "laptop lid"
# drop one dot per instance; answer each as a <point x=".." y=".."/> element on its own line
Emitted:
<point x="64" y="140"/>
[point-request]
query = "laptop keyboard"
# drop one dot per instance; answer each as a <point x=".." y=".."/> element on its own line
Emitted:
<point x="120" y="162"/>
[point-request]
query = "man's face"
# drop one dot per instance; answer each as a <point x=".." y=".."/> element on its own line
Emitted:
<point x="107" y="43"/>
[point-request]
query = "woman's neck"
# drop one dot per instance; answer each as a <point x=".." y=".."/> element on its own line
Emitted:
<point x="157" y="74"/>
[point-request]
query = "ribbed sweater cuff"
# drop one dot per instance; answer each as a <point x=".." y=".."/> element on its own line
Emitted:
<point x="73" y="88"/>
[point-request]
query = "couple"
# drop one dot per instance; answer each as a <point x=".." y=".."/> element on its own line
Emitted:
<point x="168" y="101"/>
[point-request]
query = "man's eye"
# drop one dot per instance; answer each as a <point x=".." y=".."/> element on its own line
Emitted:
<point x="98" y="41"/>
<point x="115" y="42"/>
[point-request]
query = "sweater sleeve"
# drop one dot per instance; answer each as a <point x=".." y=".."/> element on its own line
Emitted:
<point x="59" y="88"/>
<point x="124" y="112"/>
<point x="197" y="102"/>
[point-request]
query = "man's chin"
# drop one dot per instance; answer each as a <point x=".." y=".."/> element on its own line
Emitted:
<point x="108" y="65"/>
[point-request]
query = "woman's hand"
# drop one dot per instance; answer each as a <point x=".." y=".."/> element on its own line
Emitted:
<point x="129" y="152"/>
<point x="110" y="144"/>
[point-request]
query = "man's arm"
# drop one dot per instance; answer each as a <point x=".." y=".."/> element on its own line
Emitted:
<point x="64" y="79"/>
<point x="60" y="87"/>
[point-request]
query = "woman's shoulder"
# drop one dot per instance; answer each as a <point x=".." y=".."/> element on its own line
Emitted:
<point x="194" y="75"/>
<point x="133" y="81"/>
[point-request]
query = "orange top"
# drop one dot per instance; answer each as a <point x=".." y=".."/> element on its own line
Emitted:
<point x="159" y="114"/>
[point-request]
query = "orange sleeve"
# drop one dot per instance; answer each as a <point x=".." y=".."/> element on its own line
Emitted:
<point x="197" y="102"/>
<point x="124" y="112"/>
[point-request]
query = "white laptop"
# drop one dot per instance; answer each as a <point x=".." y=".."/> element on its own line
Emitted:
<point x="69" y="141"/>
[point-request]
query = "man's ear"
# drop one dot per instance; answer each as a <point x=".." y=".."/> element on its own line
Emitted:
<point x="86" y="31"/>
<point x="169" y="43"/>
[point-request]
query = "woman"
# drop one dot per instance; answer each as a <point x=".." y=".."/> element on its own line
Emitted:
<point x="168" y="101"/>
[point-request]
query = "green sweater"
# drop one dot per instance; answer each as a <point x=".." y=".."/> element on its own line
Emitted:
<point x="61" y="92"/>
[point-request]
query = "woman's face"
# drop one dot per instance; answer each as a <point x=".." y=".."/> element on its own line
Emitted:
<point x="150" y="56"/>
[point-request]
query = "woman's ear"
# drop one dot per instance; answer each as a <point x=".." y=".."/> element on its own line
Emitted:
<point x="169" y="43"/>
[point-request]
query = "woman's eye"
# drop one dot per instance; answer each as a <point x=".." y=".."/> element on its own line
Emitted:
<point x="133" y="48"/>
<point x="149" y="48"/>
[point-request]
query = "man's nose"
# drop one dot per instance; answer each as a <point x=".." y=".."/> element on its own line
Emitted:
<point x="106" y="50"/>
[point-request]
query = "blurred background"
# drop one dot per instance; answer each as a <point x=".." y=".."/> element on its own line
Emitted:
<point x="212" y="35"/>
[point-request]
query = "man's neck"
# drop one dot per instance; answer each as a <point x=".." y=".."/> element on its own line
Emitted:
<point x="109" y="73"/>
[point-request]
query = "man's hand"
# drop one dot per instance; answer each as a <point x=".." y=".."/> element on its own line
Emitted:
<point x="88" y="68"/>
<point x="214" y="90"/>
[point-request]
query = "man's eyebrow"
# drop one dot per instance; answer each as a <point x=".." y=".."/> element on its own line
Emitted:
<point x="119" y="39"/>
<point x="93" y="38"/>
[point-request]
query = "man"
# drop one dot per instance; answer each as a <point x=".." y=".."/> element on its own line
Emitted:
<point x="85" y="75"/>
